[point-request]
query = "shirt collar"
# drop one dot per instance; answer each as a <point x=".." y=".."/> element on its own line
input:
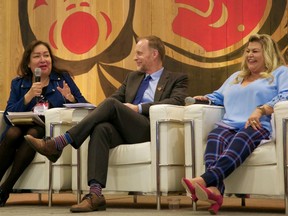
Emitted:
<point x="157" y="74"/>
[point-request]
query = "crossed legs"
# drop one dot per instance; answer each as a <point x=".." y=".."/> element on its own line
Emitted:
<point x="226" y="150"/>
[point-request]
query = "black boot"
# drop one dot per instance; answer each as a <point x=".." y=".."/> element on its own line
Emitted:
<point x="3" y="197"/>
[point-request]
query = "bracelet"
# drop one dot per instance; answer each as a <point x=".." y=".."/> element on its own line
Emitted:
<point x="263" y="111"/>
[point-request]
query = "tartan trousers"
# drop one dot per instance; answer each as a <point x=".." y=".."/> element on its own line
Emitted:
<point x="226" y="150"/>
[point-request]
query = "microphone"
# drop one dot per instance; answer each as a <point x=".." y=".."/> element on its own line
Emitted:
<point x="191" y="100"/>
<point x="37" y="74"/>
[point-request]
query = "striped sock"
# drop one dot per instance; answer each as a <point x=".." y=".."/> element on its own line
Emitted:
<point x="96" y="189"/>
<point x="62" y="141"/>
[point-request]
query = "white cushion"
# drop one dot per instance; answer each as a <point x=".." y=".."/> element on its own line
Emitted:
<point x="130" y="154"/>
<point x="264" y="154"/>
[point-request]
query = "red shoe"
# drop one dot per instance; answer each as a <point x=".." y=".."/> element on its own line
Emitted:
<point x="204" y="194"/>
<point x="190" y="189"/>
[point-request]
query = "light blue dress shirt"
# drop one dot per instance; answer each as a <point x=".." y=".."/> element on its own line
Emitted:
<point x="149" y="93"/>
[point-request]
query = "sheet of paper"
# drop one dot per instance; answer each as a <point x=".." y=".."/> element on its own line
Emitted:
<point x="80" y="105"/>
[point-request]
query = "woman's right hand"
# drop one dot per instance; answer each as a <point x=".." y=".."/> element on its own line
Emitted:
<point x="201" y="97"/>
<point x="34" y="91"/>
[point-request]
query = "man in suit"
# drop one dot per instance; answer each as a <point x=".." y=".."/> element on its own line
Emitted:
<point x="121" y="118"/>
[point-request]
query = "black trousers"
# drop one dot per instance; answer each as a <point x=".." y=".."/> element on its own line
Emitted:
<point x="109" y="125"/>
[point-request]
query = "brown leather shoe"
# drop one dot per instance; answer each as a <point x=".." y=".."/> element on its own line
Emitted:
<point x="45" y="147"/>
<point x="90" y="202"/>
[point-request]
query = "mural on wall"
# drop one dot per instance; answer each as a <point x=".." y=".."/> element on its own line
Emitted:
<point x="217" y="18"/>
<point x="209" y="36"/>
<point x="212" y="34"/>
<point x="77" y="31"/>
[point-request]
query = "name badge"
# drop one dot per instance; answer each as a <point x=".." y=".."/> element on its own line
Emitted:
<point x="40" y="108"/>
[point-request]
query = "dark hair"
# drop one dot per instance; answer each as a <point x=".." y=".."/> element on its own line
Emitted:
<point x="24" y="70"/>
<point x="155" y="43"/>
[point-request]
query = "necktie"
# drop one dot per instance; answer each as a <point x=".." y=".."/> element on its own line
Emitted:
<point x="143" y="86"/>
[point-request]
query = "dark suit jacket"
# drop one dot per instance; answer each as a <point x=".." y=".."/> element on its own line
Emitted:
<point x="172" y="88"/>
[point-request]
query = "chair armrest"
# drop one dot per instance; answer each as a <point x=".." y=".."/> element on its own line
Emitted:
<point x="63" y="115"/>
<point x="280" y="112"/>
<point x="166" y="111"/>
<point x="204" y="118"/>
<point x="199" y="120"/>
<point x="53" y="115"/>
<point x="169" y="120"/>
<point x="167" y="146"/>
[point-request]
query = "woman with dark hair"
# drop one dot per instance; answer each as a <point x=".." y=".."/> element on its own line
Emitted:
<point x="53" y="88"/>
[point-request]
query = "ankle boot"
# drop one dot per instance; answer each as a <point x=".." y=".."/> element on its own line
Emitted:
<point x="3" y="197"/>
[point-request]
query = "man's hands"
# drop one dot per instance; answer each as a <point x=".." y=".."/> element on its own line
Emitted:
<point x="132" y="106"/>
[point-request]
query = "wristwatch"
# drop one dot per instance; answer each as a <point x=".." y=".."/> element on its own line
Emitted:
<point x="261" y="107"/>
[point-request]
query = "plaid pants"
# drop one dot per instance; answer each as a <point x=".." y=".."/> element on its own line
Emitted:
<point x="226" y="150"/>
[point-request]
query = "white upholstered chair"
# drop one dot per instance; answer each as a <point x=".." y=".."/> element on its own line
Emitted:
<point x="263" y="173"/>
<point x="38" y="177"/>
<point x="58" y="121"/>
<point x="154" y="167"/>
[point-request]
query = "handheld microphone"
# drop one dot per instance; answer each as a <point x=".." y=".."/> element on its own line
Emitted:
<point x="191" y="100"/>
<point x="37" y="74"/>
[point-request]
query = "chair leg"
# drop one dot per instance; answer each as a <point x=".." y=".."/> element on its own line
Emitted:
<point x="135" y="198"/>
<point x="39" y="198"/>
<point x="243" y="202"/>
<point x="158" y="177"/>
<point x="243" y="198"/>
<point x="78" y="176"/>
<point x="284" y="138"/>
<point x="50" y="184"/>
<point x="194" y="206"/>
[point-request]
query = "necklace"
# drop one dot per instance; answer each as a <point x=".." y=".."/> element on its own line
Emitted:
<point x="45" y="82"/>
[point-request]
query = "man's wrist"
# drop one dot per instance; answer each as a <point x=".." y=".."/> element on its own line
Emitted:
<point x="139" y="108"/>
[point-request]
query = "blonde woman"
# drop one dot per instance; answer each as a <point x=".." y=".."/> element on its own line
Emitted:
<point x="248" y="96"/>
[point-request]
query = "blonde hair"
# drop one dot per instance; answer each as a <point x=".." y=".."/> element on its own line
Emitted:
<point x="272" y="57"/>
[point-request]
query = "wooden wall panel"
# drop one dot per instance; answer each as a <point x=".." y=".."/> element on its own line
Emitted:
<point x="100" y="55"/>
<point x="11" y="47"/>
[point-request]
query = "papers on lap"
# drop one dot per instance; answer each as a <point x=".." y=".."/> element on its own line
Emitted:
<point x="80" y="105"/>
<point x="17" y="118"/>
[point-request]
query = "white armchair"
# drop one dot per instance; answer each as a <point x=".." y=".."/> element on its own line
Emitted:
<point x="263" y="173"/>
<point x="39" y="176"/>
<point x="58" y="121"/>
<point x="154" y="167"/>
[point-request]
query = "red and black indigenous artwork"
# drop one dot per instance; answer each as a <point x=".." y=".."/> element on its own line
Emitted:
<point x="214" y="31"/>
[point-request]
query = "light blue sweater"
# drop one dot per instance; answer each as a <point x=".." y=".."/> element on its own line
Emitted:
<point x="239" y="102"/>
